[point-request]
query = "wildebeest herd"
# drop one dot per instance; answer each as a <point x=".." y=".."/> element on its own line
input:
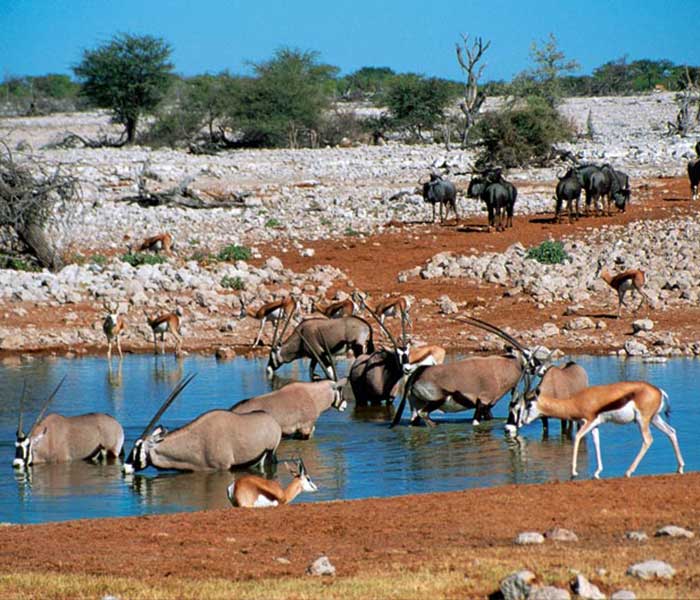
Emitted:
<point x="249" y="433"/>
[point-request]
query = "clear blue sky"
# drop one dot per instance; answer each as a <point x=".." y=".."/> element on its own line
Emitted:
<point x="49" y="36"/>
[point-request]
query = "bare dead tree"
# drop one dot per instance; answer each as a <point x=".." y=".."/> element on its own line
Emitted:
<point x="27" y="203"/>
<point x="469" y="55"/>
<point x="688" y="101"/>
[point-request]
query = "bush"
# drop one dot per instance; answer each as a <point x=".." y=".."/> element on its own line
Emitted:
<point x="18" y="264"/>
<point x="136" y="259"/>
<point x="234" y="252"/>
<point x="272" y="222"/>
<point x="549" y="253"/>
<point x="521" y="135"/>
<point x="232" y="283"/>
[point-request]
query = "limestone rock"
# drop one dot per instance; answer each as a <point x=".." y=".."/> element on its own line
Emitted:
<point x="585" y="589"/>
<point x="559" y="534"/>
<point x="321" y="567"/>
<point x="529" y="537"/>
<point x="652" y="569"/>
<point x="674" y="531"/>
<point x="517" y="585"/>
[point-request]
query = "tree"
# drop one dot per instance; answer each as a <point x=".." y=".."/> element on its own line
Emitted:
<point x="129" y="75"/>
<point x="367" y="82"/>
<point x="468" y="57"/>
<point x="284" y="104"/>
<point x="417" y="103"/>
<point x="551" y="64"/>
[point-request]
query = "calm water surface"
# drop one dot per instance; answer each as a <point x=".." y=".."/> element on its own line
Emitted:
<point x="352" y="455"/>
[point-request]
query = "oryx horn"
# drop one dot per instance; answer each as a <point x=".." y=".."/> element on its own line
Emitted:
<point x="497" y="331"/>
<point x="315" y="354"/>
<point x="20" y="433"/>
<point x="284" y="330"/>
<point x="46" y="404"/>
<point x="169" y="400"/>
<point x="376" y="318"/>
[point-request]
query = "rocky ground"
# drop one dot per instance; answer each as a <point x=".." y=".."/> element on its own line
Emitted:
<point x="311" y="216"/>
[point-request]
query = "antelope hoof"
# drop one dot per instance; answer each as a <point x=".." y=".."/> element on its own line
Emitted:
<point x="475" y="423"/>
<point x="680" y="469"/>
<point x="596" y="475"/>
<point x="628" y="473"/>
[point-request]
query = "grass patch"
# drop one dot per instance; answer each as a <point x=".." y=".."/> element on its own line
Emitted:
<point x="352" y="232"/>
<point x="549" y="252"/>
<point x="136" y="259"/>
<point x="232" y="283"/>
<point x="19" y="264"/>
<point x="234" y="252"/>
<point x="272" y="222"/>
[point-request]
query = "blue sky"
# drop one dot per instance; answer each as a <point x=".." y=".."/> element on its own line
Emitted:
<point x="48" y="36"/>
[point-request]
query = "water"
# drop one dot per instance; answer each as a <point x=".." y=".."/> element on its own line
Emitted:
<point x="352" y="455"/>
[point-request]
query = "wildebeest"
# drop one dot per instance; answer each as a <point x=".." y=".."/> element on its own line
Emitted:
<point x="498" y="194"/>
<point x="441" y="191"/>
<point x="694" y="173"/>
<point x="568" y="190"/>
<point x="619" y="187"/>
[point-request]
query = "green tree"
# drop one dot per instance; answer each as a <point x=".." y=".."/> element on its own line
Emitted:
<point x="208" y="96"/>
<point x="417" y="103"/>
<point x="129" y="75"/>
<point x="367" y="82"/>
<point x="550" y="65"/>
<point x="284" y="104"/>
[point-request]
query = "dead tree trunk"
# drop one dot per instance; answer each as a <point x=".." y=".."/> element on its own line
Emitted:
<point x="468" y="56"/>
<point x="688" y="102"/>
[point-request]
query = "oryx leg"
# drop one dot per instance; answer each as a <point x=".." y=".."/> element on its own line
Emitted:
<point x="647" y="440"/>
<point x="670" y="432"/>
<point x="587" y="426"/>
<point x="545" y="428"/>
<point x="312" y="368"/>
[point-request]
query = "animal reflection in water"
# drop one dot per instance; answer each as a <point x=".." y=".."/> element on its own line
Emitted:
<point x="69" y="479"/>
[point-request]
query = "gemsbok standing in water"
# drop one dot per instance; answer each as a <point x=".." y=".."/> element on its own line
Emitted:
<point x="216" y="440"/>
<point x="251" y="491"/>
<point x="55" y="438"/>
<point x="620" y="403"/>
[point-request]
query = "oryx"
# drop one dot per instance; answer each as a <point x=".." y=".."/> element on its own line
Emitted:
<point x="216" y="440"/>
<point x="56" y="438"/>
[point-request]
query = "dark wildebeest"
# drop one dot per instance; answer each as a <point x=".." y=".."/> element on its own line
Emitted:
<point x="498" y="194"/>
<point x="568" y="189"/>
<point x="619" y="187"/>
<point x="694" y="173"/>
<point x="441" y="191"/>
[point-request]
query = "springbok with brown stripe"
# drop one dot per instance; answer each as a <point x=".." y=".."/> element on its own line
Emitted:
<point x="251" y="491"/>
<point x="166" y="323"/>
<point x="620" y="403"/>
<point x="113" y="326"/>
<point x="157" y="243"/>
<point x="276" y="312"/>
<point x="630" y="280"/>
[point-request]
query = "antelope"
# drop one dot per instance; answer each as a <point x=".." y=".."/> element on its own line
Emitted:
<point x="632" y="279"/>
<point x="557" y="382"/>
<point x="156" y="243"/>
<point x="694" y="174"/>
<point x="215" y="440"/>
<point x="276" y="312"/>
<point x="251" y="491"/>
<point x="55" y="438"/>
<point x="297" y="406"/>
<point x="166" y="323"/>
<point x="394" y="307"/>
<point x="620" y="403"/>
<point x="335" y="310"/>
<point x="340" y="335"/>
<point x="113" y="326"/>
<point x="476" y="382"/>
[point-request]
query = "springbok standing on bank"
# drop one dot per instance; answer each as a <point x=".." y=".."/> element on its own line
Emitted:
<point x="619" y="403"/>
<point x="113" y="326"/>
<point x="276" y="312"/>
<point x="335" y="310"/>
<point x="166" y="323"/>
<point x="251" y="491"/>
<point x="56" y="438"/>
<point x="632" y="279"/>
<point x="157" y="243"/>
<point x="215" y="440"/>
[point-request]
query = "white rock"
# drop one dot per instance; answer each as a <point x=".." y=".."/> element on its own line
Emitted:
<point x="517" y="585"/>
<point x="652" y="569"/>
<point x="321" y="567"/>
<point x="585" y="589"/>
<point x="529" y="537"/>
<point x="674" y="531"/>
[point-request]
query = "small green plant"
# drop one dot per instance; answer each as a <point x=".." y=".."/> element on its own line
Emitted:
<point x="136" y="259"/>
<point x="272" y="222"/>
<point x="549" y="252"/>
<point x="201" y="257"/>
<point x="98" y="259"/>
<point x="18" y="264"/>
<point x="234" y="252"/>
<point x="326" y="221"/>
<point x="232" y="283"/>
<point x="350" y="231"/>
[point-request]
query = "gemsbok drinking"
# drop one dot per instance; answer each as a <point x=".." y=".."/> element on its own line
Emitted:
<point x="215" y="440"/>
<point x="55" y="438"/>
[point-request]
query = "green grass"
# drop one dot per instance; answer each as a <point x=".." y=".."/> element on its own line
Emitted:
<point x="272" y="222"/>
<point x="136" y="259"/>
<point x="549" y="252"/>
<point x="234" y="252"/>
<point x="232" y="283"/>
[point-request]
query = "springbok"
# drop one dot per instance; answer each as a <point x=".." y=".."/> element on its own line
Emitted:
<point x="556" y="382"/>
<point x="165" y="323"/>
<point x="251" y="491"/>
<point x="394" y="307"/>
<point x="55" y="438"/>
<point x="632" y="279"/>
<point x="113" y="326"/>
<point x="341" y="335"/>
<point x="620" y="403"/>
<point x="477" y="382"/>
<point x="215" y="440"/>
<point x="276" y="312"/>
<point x="297" y="406"/>
<point x="335" y="310"/>
<point x="156" y="243"/>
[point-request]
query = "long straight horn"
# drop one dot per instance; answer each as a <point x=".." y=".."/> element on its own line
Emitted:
<point x="317" y="358"/>
<point x="384" y="328"/>
<point x="169" y="400"/>
<point x="284" y="329"/>
<point x="40" y="416"/>
<point x="330" y="356"/>
<point x="495" y="330"/>
<point x="20" y="433"/>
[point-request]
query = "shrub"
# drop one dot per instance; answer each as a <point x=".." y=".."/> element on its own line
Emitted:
<point x="521" y="135"/>
<point x="272" y="222"/>
<point x="18" y="264"/>
<point x="232" y="283"/>
<point x="98" y="259"/>
<point x="136" y="259"/>
<point x="234" y="252"/>
<point x="549" y="252"/>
